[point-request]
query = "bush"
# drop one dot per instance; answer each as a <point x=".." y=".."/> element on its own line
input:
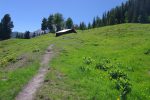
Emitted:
<point x="122" y="82"/>
<point x="106" y="61"/>
<point x="11" y="58"/>
<point x="36" y="50"/>
<point x="102" y="67"/>
<point x="88" y="64"/>
<point x="88" y="60"/>
<point x="124" y="86"/>
<point x="116" y="74"/>
<point x="130" y="69"/>
<point x="85" y="68"/>
<point x="147" y="52"/>
<point x="6" y="60"/>
<point x="3" y="62"/>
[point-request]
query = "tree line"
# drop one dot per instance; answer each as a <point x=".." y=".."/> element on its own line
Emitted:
<point x="28" y="34"/>
<point x="25" y="35"/>
<point x="55" y="22"/>
<point x="132" y="11"/>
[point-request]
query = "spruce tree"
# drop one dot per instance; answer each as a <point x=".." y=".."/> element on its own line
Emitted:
<point x="69" y="23"/>
<point x="44" y="24"/>
<point x="94" y="23"/>
<point x="27" y="35"/>
<point x="82" y="26"/>
<point x="89" y="26"/>
<point x="34" y="35"/>
<point x="50" y="23"/>
<point x="1" y="32"/>
<point x="6" y="26"/>
<point x="58" y="21"/>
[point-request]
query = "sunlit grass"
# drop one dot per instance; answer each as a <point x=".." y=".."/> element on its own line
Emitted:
<point x="124" y="45"/>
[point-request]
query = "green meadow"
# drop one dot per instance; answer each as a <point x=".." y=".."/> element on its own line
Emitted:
<point x="107" y="63"/>
<point x="19" y="62"/>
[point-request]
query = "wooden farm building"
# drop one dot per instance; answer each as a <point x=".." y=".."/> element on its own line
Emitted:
<point x="65" y="31"/>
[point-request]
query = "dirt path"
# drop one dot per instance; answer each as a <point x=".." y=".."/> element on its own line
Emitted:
<point x="30" y="89"/>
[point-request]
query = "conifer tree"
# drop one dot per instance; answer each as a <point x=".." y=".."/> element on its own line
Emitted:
<point x="69" y="23"/>
<point x="44" y="24"/>
<point x="50" y="23"/>
<point x="6" y="26"/>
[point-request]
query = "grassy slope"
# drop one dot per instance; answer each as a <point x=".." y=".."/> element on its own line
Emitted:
<point x="124" y="44"/>
<point x="13" y="77"/>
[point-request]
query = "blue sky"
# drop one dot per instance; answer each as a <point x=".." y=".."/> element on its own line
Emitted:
<point x="27" y="14"/>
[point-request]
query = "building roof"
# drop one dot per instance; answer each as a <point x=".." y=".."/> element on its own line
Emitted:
<point x="65" y="30"/>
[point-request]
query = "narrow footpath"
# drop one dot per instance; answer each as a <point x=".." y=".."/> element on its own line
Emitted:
<point x="30" y="89"/>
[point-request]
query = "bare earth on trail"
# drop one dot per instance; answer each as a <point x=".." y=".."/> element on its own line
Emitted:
<point x="30" y="89"/>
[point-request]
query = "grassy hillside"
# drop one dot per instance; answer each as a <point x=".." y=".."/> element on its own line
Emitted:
<point x="19" y="61"/>
<point x="119" y="47"/>
<point x="86" y="65"/>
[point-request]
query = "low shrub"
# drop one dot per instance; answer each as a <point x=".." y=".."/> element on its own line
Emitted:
<point x="88" y="60"/>
<point x="122" y="83"/>
<point x="11" y="58"/>
<point x="36" y="50"/>
<point x="147" y="52"/>
<point x="88" y="64"/>
<point x="130" y="69"/>
<point x="85" y="68"/>
<point x="95" y="44"/>
<point x="124" y="86"/>
<point x="116" y="74"/>
<point x="102" y="67"/>
<point x="106" y="61"/>
<point x="8" y="59"/>
<point x="3" y="62"/>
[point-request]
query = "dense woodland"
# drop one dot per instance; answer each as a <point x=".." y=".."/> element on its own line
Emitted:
<point x="56" y="22"/>
<point x="132" y="11"/>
